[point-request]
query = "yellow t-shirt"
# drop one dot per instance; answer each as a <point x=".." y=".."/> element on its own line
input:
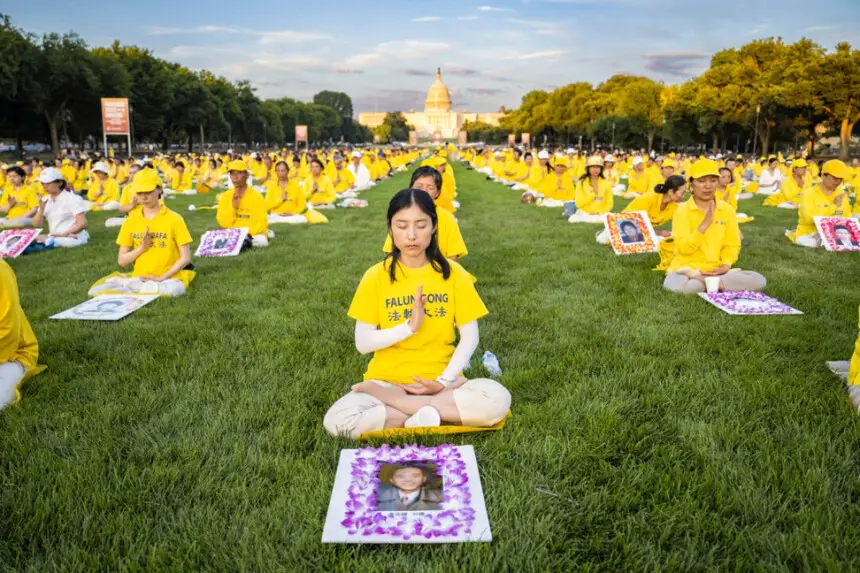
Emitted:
<point x="294" y="204"/>
<point x="815" y="203"/>
<point x="719" y="245"/>
<point x="559" y="188"/>
<point x="652" y="203"/>
<point x="251" y="212"/>
<point x="728" y="195"/>
<point x="319" y="191"/>
<point x="25" y="200"/>
<point x="126" y="197"/>
<point x="638" y="182"/>
<point x="451" y="241"/>
<point x="448" y="192"/>
<point x="181" y="183"/>
<point x="537" y="173"/>
<point x="594" y="202"/>
<point x="17" y="340"/>
<point x="384" y="304"/>
<point x="168" y="232"/>
<point x="110" y="193"/>
<point x="854" y="370"/>
<point x="342" y="179"/>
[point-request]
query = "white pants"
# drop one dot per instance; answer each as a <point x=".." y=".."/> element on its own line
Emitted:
<point x="261" y="240"/>
<point x="189" y="192"/>
<point x="521" y="187"/>
<point x="108" y="206"/>
<point x="17" y="222"/>
<point x="813" y="240"/>
<point x="321" y="206"/>
<point x="734" y="281"/>
<point x="745" y="195"/>
<point x="11" y="374"/>
<point x="292" y="219"/>
<point x="481" y="402"/>
<point x="170" y="287"/>
<point x="583" y="217"/>
<point x="114" y="222"/>
<point x="788" y="205"/>
<point x="68" y="242"/>
<point x="619" y="190"/>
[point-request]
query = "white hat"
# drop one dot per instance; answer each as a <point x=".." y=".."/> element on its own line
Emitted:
<point x="543" y="154"/>
<point x="498" y="154"/>
<point x="570" y="150"/>
<point x="50" y="174"/>
<point x="609" y="157"/>
<point x="357" y="154"/>
<point x="100" y="166"/>
<point x="638" y="161"/>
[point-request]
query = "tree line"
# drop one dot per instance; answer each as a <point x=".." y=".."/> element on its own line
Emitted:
<point x="754" y="97"/>
<point x="52" y="86"/>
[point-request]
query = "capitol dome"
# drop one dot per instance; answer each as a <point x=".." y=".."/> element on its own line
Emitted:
<point x="438" y="98"/>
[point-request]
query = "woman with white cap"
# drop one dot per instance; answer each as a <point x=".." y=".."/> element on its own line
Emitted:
<point x="19" y="202"/>
<point x="103" y="192"/>
<point x="612" y="175"/>
<point x="538" y="170"/>
<point x="360" y="172"/>
<point x="638" y="179"/>
<point x="826" y="199"/>
<point x="64" y="211"/>
<point x="792" y="188"/>
<point x="707" y="239"/>
<point x="593" y="194"/>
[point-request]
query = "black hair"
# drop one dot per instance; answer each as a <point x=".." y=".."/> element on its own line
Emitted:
<point x="527" y="155"/>
<point x="403" y="200"/>
<point x="318" y="162"/>
<point x="427" y="171"/>
<point x="731" y="175"/>
<point x="282" y="162"/>
<point x="841" y="227"/>
<point x="624" y="224"/>
<point x="672" y="183"/>
<point x="17" y="169"/>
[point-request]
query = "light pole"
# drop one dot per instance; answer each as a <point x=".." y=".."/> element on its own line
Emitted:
<point x="755" y="139"/>
<point x="613" y="135"/>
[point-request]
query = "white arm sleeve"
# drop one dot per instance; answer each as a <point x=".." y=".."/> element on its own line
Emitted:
<point x="469" y="338"/>
<point x="369" y="339"/>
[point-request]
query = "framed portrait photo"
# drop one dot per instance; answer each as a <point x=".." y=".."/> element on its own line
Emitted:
<point x="222" y="242"/>
<point x="13" y="242"/>
<point x="407" y="494"/>
<point x="631" y="233"/>
<point x="838" y="233"/>
<point x="747" y="302"/>
<point x="109" y="307"/>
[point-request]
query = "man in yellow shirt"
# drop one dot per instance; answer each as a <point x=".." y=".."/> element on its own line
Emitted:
<point x="19" y="351"/>
<point x="341" y="178"/>
<point x="181" y="182"/>
<point x="243" y="206"/>
<point x="103" y="192"/>
<point x="707" y="239"/>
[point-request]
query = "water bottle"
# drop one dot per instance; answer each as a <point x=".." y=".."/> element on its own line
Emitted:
<point x="491" y="363"/>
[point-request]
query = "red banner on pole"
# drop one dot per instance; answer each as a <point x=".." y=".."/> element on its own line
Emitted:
<point x="115" y="116"/>
<point x="512" y="138"/>
<point x="302" y="133"/>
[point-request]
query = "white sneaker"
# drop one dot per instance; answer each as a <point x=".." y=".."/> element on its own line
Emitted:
<point x="424" y="418"/>
<point x="853" y="397"/>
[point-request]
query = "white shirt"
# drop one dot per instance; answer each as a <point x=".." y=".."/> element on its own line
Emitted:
<point x="362" y="174"/>
<point x="60" y="213"/>
<point x="407" y="499"/>
<point x="769" y="181"/>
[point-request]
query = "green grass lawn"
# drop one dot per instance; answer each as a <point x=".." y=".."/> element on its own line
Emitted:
<point x="650" y="430"/>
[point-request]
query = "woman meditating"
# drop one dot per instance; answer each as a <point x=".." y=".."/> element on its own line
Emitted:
<point x="156" y="240"/>
<point x="660" y="204"/>
<point x="285" y="200"/>
<point x="450" y="239"/>
<point x="406" y="310"/>
<point x="19" y="351"/>
<point x="826" y="199"/>
<point x="243" y="206"/>
<point x="19" y="202"/>
<point x="319" y="189"/>
<point x="792" y="188"/>
<point x="103" y="192"/>
<point x="707" y="239"/>
<point x="558" y="187"/>
<point x="593" y="194"/>
<point x="64" y="211"/>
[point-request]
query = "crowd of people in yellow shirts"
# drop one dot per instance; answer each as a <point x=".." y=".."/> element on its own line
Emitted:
<point x="412" y="306"/>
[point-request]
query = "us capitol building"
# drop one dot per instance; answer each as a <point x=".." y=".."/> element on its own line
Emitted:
<point x="437" y="121"/>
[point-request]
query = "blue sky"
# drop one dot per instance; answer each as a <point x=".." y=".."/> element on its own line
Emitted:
<point x="384" y="54"/>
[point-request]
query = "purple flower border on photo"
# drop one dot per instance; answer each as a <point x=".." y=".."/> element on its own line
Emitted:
<point x="725" y="301"/>
<point x="213" y="236"/>
<point x="456" y="517"/>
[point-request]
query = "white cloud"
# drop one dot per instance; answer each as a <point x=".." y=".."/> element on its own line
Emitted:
<point x="545" y="55"/>
<point x="495" y="9"/>
<point x="291" y="37"/>
<point x="265" y="38"/>
<point x="161" y="31"/>
<point x="427" y="19"/>
<point x="469" y="18"/>
<point x="401" y="50"/>
<point x="541" y="27"/>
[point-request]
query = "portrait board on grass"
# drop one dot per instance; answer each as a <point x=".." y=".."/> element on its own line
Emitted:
<point x="838" y="233"/>
<point x="222" y="242"/>
<point x="13" y="242"/>
<point x="407" y="494"/>
<point x="747" y="302"/>
<point x="108" y="307"/>
<point x="631" y="233"/>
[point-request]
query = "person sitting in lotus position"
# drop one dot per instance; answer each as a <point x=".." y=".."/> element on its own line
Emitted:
<point x="406" y="310"/>
<point x="707" y="239"/>
<point x="243" y="206"/>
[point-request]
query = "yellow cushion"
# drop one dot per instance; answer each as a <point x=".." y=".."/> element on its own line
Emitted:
<point x="397" y="433"/>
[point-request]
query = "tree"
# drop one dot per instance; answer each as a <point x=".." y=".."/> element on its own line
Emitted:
<point x="338" y="101"/>
<point x="399" y="127"/>
<point x="837" y="87"/>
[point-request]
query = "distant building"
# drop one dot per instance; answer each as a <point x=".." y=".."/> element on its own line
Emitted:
<point x="437" y="121"/>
